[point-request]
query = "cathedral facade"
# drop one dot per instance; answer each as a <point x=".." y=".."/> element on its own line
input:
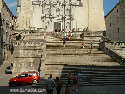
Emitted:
<point x="61" y="15"/>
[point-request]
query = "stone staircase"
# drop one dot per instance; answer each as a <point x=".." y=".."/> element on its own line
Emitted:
<point x="97" y="75"/>
<point x="89" y="75"/>
<point x="57" y="56"/>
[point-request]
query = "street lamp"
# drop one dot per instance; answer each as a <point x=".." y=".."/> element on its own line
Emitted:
<point x="118" y="36"/>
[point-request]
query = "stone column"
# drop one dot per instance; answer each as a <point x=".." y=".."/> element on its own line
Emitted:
<point x="80" y="15"/>
<point x="24" y="15"/>
<point x="96" y="20"/>
<point x="1" y="3"/>
<point x="36" y="20"/>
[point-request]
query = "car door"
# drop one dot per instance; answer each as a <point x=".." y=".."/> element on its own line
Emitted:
<point x="20" y="79"/>
<point x="30" y="77"/>
<point x="27" y="78"/>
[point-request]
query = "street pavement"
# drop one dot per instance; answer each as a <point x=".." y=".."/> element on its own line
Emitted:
<point x="82" y="90"/>
<point x="4" y="79"/>
<point x="117" y="89"/>
<point x="5" y="89"/>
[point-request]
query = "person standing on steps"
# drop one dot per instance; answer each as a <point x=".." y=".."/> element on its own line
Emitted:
<point x="68" y="84"/>
<point x="59" y="85"/>
<point x="51" y="85"/>
<point x="64" y="41"/>
<point x="83" y="45"/>
<point x="75" y="83"/>
<point x="11" y="64"/>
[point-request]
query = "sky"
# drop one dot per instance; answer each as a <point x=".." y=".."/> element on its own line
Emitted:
<point x="108" y="5"/>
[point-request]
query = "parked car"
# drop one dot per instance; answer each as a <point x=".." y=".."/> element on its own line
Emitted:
<point x="8" y="70"/>
<point x="25" y="78"/>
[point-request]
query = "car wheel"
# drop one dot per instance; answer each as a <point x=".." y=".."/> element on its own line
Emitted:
<point x="34" y="82"/>
<point x="12" y="85"/>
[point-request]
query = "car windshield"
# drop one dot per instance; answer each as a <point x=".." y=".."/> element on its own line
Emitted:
<point x="23" y="75"/>
<point x="33" y="74"/>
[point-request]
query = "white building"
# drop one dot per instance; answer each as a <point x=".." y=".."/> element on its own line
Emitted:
<point x="59" y="15"/>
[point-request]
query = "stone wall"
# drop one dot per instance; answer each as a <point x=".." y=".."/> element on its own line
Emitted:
<point x="29" y="54"/>
<point x="115" y="21"/>
<point x="6" y="24"/>
<point x="115" y="50"/>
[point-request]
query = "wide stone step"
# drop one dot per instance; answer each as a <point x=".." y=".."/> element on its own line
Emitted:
<point x="84" y="71"/>
<point x="71" y="44"/>
<point x="89" y="69"/>
<point x="107" y="80"/>
<point x="74" y="63"/>
<point x="87" y="75"/>
<point x="65" y="49"/>
<point x="76" y="42"/>
<point x="98" y="83"/>
<point x="54" y="66"/>
<point x="74" y="52"/>
<point x="61" y="46"/>
<point x="57" y="46"/>
<point x="101" y="84"/>
<point x="94" y="77"/>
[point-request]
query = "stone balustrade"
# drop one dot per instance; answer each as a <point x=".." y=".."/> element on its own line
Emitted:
<point x="30" y="43"/>
<point x="30" y="52"/>
<point x="116" y="50"/>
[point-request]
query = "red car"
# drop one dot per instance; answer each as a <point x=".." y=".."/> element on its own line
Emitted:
<point x="25" y="78"/>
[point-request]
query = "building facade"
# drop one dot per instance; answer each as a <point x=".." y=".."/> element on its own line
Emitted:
<point x="115" y="21"/>
<point x="61" y="15"/>
<point x="6" y="26"/>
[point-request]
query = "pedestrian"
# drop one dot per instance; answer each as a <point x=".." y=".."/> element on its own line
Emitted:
<point x="69" y="36"/>
<point x="68" y="84"/>
<point x="67" y="90"/>
<point x="69" y="78"/>
<point x="59" y="85"/>
<point x="51" y="85"/>
<point x="75" y="82"/>
<point x="64" y="41"/>
<point x="83" y="45"/>
<point x="11" y="64"/>
<point x="74" y="79"/>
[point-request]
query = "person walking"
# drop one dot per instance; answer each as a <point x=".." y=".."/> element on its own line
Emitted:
<point x="64" y="41"/>
<point x="68" y="84"/>
<point x="59" y="85"/>
<point x="67" y="89"/>
<point x="75" y="82"/>
<point x="11" y="64"/>
<point x="83" y="45"/>
<point x="51" y="85"/>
